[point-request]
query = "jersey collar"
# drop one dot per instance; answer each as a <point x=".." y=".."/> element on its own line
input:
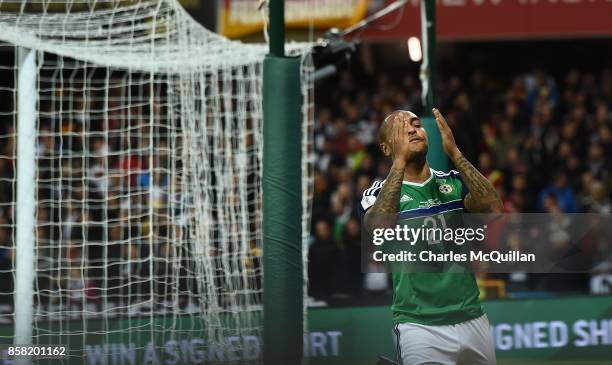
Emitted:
<point x="431" y="174"/>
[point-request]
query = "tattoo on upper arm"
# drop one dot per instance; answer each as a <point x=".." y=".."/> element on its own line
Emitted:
<point x="482" y="197"/>
<point x="388" y="198"/>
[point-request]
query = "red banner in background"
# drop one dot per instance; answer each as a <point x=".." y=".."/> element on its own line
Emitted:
<point x="499" y="19"/>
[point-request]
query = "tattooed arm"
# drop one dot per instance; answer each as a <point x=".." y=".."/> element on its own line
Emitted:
<point x="382" y="213"/>
<point x="388" y="198"/>
<point x="483" y="197"/>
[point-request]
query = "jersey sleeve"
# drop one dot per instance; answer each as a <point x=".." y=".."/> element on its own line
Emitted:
<point x="464" y="189"/>
<point x="369" y="196"/>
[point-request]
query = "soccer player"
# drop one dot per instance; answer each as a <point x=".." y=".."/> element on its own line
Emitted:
<point x="438" y="318"/>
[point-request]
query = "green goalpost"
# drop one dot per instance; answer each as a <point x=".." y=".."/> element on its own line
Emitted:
<point x="282" y="198"/>
<point x="435" y="155"/>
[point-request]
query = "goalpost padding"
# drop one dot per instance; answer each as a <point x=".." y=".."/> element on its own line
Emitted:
<point x="282" y="205"/>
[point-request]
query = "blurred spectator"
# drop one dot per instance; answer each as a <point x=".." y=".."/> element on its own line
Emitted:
<point x="351" y="244"/>
<point x="558" y="195"/>
<point x="132" y="275"/>
<point x="81" y="290"/>
<point x="597" y="201"/>
<point x="321" y="261"/>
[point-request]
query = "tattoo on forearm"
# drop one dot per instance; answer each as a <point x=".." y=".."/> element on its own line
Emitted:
<point x="383" y="212"/>
<point x="388" y="198"/>
<point x="483" y="197"/>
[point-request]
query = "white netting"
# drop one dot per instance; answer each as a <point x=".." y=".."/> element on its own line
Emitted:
<point x="148" y="171"/>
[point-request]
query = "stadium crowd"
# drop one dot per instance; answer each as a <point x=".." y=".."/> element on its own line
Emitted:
<point x="544" y="142"/>
<point x="94" y="189"/>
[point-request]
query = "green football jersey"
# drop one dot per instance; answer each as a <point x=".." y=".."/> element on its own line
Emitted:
<point x="440" y="297"/>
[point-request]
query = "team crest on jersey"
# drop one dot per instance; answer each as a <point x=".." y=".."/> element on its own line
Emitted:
<point x="445" y="188"/>
<point x="406" y="198"/>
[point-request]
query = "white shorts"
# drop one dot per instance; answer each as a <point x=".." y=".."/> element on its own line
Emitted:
<point x="466" y="343"/>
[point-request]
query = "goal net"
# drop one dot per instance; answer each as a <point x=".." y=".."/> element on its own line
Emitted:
<point x="142" y="134"/>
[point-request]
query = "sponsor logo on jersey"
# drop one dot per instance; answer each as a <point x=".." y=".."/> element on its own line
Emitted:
<point x="430" y="203"/>
<point x="406" y="198"/>
<point x="445" y="188"/>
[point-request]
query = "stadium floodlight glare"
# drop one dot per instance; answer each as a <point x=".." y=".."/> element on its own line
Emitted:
<point x="414" y="49"/>
<point x="145" y="135"/>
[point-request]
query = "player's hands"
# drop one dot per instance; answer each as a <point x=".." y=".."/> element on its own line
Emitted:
<point x="448" y="140"/>
<point x="400" y="144"/>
